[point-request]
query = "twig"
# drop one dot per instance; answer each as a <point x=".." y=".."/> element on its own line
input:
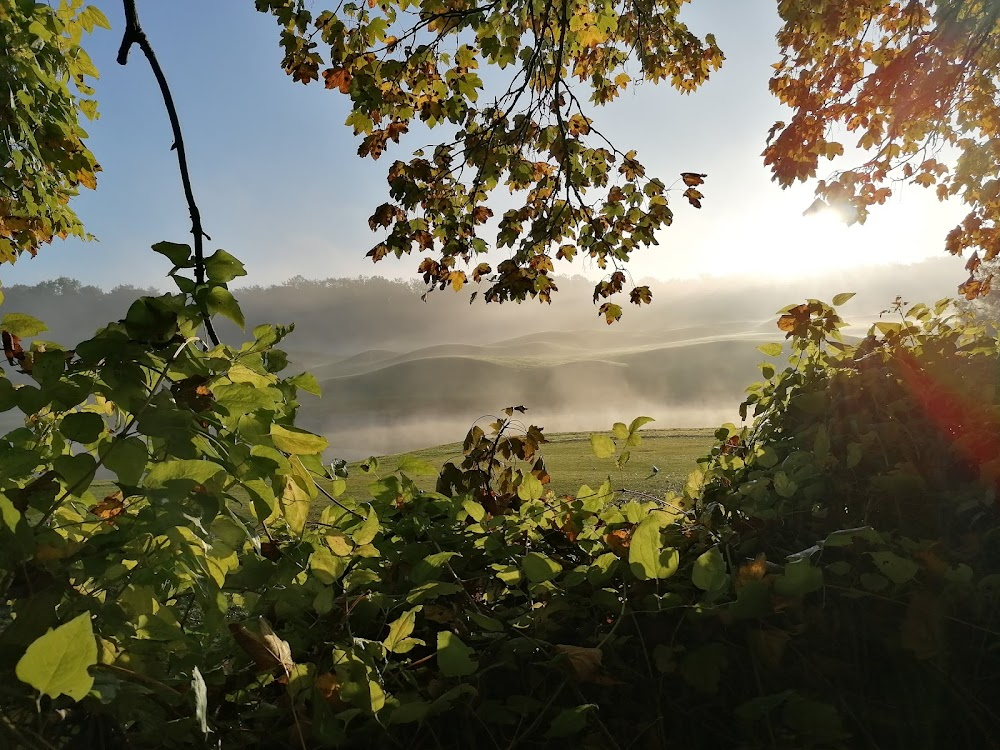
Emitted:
<point x="135" y="35"/>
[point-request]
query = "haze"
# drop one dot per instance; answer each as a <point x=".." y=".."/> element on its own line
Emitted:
<point x="400" y="374"/>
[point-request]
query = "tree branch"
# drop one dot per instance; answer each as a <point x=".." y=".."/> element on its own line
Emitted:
<point x="135" y="35"/>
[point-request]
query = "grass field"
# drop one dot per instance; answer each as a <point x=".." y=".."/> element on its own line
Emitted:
<point x="568" y="458"/>
<point x="571" y="462"/>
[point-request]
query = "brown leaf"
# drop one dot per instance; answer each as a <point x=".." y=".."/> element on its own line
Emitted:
<point x="619" y="541"/>
<point x="754" y="570"/>
<point x="585" y="664"/>
<point x="974" y="262"/>
<point x="328" y="686"/>
<point x="12" y="348"/>
<point x="794" y="318"/>
<point x="694" y="197"/>
<point x="641" y="295"/>
<point x="693" y="179"/>
<point x="268" y="651"/>
<point x="110" y="507"/>
<point x="338" y="78"/>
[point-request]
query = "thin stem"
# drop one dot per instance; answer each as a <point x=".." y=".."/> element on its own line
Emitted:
<point x="135" y="35"/>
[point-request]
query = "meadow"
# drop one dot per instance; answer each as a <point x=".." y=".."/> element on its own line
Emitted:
<point x="571" y="463"/>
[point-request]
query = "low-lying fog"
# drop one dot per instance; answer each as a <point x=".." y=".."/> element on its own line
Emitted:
<point x="400" y="374"/>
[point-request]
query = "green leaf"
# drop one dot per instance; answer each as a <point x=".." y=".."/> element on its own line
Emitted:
<point x="842" y="298"/>
<point x="530" y="488"/>
<point x="570" y="721"/>
<point x="368" y="530"/>
<point x="56" y="663"/>
<point x="195" y="470"/>
<point x="306" y="381"/>
<point x="897" y="569"/>
<point x="398" y="641"/>
<point x="221" y="267"/>
<point x="21" y="325"/>
<point x="10" y="515"/>
<point x="538" y="568"/>
<point x="602" y="445"/>
<point x="476" y="511"/>
<point x="800" y="578"/>
<point x="327" y="567"/>
<point x="77" y="471"/>
<point x="784" y="486"/>
<point x="220" y="301"/>
<point x="417" y="467"/>
<point x="646" y="556"/>
<point x="453" y="656"/>
<point x="295" y="502"/>
<point x="770" y="350"/>
<point x="297" y="442"/>
<point x="127" y="458"/>
<point x="82" y="426"/>
<point x="637" y="423"/>
<point x="179" y="255"/>
<point x="702" y="668"/>
<point x="619" y="430"/>
<point x="709" y="572"/>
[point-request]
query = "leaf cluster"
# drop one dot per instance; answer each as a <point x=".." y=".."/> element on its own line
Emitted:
<point x="403" y="63"/>
<point x="45" y="75"/>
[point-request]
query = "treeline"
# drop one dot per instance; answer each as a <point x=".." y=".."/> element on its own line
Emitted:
<point x="342" y="316"/>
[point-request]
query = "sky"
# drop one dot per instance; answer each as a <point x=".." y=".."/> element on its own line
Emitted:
<point x="279" y="184"/>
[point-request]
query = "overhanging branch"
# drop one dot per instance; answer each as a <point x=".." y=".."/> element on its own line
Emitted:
<point x="135" y="35"/>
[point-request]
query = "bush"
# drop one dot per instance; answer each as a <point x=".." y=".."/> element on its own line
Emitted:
<point x="829" y="578"/>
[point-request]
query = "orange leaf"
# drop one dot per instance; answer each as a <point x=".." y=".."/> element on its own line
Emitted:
<point x="693" y="179"/>
<point x="338" y="78"/>
<point x="110" y="507"/>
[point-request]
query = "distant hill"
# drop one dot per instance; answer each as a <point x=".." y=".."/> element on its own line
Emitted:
<point x="400" y="373"/>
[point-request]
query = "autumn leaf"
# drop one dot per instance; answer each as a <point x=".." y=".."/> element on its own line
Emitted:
<point x="611" y="312"/>
<point x="268" y="651"/>
<point x="110" y="507"/>
<point x="338" y="78"/>
<point x="694" y="197"/>
<point x="618" y="541"/>
<point x="641" y="295"/>
<point x="794" y="319"/>
<point x="578" y="125"/>
<point x="483" y="269"/>
<point x="754" y="570"/>
<point x="585" y="664"/>
<point x="12" y="348"/>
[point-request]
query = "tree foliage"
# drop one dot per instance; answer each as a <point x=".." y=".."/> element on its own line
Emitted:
<point x="534" y="135"/>
<point x="44" y="75"/>
<point x="915" y="82"/>
<point x="836" y="557"/>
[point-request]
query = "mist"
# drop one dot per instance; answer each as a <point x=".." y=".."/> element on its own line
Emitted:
<point x="400" y="373"/>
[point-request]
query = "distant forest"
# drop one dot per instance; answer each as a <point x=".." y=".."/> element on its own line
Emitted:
<point x="343" y="316"/>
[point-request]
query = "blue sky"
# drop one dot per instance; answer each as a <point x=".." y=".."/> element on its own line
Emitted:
<point x="279" y="185"/>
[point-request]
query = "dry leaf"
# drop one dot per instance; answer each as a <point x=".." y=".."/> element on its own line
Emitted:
<point x="110" y="507"/>
<point x="585" y="663"/>
<point x="268" y="651"/>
